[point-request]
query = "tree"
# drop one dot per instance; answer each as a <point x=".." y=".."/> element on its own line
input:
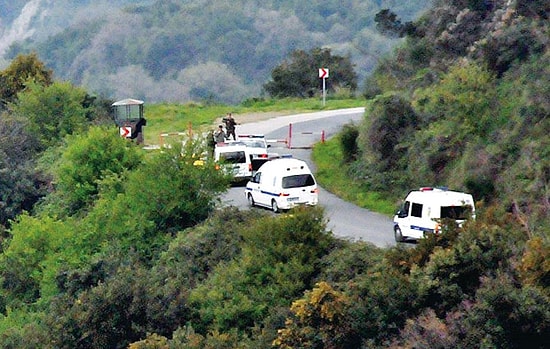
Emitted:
<point x="388" y="23"/>
<point x="86" y="161"/>
<point x="20" y="184"/>
<point x="23" y="70"/>
<point x="297" y="77"/>
<point x="54" y="110"/>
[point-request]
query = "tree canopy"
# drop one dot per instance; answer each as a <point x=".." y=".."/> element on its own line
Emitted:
<point x="298" y="75"/>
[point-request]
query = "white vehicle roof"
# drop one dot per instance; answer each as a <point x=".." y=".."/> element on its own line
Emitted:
<point x="440" y="196"/>
<point x="285" y="165"/>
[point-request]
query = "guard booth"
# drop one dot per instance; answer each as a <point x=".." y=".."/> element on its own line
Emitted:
<point x="128" y="116"/>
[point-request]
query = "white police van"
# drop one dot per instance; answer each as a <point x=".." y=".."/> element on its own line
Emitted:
<point x="423" y="210"/>
<point x="234" y="159"/>
<point x="282" y="184"/>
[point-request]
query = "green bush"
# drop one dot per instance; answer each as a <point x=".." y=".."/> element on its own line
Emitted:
<point x="280" y="256"/>
<point x="348" y="142"/>
<point x="85" y="161"/>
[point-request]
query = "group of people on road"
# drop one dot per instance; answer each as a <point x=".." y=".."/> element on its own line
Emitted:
<point x="220" y="135"/>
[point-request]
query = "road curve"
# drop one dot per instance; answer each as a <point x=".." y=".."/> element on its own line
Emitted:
<point x="345" y="220"/>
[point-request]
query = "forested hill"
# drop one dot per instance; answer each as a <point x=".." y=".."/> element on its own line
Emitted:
<point x="470" y="91"/>
<point x="190" y="50"/>
<point x="105" y="245"/>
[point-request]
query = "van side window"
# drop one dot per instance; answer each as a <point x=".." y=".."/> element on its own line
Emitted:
<point x="455" y="212"/>
<point x="416" y="210"/>
<point x="256" y="178"/>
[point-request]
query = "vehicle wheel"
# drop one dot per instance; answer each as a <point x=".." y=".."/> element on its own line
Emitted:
<point x="251" y="201"/>
<point x="274" y="206"/>
<point x="398" y="234"/>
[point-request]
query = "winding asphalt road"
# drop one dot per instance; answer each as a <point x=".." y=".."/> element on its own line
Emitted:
<point x="345" y="220"/>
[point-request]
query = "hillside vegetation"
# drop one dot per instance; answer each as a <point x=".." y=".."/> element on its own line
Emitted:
<point x="106" y="245"/>
<point x="181" y="51"/>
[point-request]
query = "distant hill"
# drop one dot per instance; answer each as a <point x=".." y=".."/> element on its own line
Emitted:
<point x="178" y="51"/>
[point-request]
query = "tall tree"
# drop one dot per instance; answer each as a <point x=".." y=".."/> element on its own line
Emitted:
<point x="53" y="111"/>
<point x="297" y="77"/>
<point x="22" y="70"/>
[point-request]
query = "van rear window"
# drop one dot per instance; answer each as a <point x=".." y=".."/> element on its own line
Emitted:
<point x="455" y="212"/>
<point x="233" y="157"/>
<point x="297" y="181"/>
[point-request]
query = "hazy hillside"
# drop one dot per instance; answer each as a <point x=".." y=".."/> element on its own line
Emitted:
<point x="130" y="249"/>
<point x="182" y="50"/>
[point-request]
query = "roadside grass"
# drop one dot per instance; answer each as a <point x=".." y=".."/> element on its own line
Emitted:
<point x="332" y="174"/>
<point x="170" y="118"/>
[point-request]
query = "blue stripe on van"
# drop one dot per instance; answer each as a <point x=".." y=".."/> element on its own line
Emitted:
<point x="427" y="230"/>
<point x="263" y="192"/>
<point x="269" y="193"/>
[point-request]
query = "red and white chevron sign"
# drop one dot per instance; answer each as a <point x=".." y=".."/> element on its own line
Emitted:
<point x="323" y="73"/>
<point x="126" y="132"/>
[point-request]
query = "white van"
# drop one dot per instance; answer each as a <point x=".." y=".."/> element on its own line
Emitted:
<point x="423" y="210"/>
<point x="234" y="159"/>
<point x="281" y="184"/>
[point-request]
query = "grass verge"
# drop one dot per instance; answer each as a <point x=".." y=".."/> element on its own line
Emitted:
<point x="165" y="118"/>
<point x="333" y="175"/>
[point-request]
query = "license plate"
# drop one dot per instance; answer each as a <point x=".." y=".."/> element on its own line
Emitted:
<point x="292" y="199"/>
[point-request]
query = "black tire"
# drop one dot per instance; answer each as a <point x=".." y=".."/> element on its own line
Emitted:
<point x="274" y="206"/>
<point x="251" y="201"/>
<point x="398" y="234"/>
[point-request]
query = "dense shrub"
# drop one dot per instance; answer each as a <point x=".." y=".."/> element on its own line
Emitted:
<point x="84" y="162"/>
<point x="279" y="259"/>
<point x="348" y="142"/>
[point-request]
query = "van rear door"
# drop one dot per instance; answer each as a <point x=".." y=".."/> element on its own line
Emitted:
<point x="299" y="189"/>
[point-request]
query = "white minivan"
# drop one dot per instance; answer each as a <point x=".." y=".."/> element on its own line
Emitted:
<point x="282" y="184"/>
<point x="234" y="159"/>
<point x="423" y="210"/>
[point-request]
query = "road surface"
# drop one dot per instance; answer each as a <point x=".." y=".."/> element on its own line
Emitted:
<point x="345" y="220"/>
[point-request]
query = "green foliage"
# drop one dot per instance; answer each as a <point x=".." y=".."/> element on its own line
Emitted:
<point x="514" y="44"/>
<point x="36" y="251"/>
<point x="466" y="96"/>
<point x="190" y="257"/>
<point x="53" y="111"/>
<point x="296" y="78"/>
<point x="23" y="70"/>
<point x="348" y="142"/>
<point x="320" y="321"/>
<point x="85" y="162"/>
<point x="163" y="195"/>
<point x="535" y="263"/>
<point x="169" y="48"/>
<point x="346" y="181"/>
<point x="279" y="258"/>
<point x="388" y="23"/>
<point x="391" y="118"/>
<point x="504" y="315"/>
<point x="20" y="184"/>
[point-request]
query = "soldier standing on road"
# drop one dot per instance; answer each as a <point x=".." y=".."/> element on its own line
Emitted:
<point x="230" y="124"/>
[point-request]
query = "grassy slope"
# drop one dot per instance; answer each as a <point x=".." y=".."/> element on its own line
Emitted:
<point x="179" y="118"/>
<point x="332" y="174"/>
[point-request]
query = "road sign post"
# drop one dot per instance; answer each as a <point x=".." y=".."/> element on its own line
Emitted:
<point x="323" y="74"/>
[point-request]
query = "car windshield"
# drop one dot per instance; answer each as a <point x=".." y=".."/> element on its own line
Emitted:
<point x="298" y="181"/>
<point x="233" y="157"/>
<point x="456" y="212"/>
<point x="254" y="144"/>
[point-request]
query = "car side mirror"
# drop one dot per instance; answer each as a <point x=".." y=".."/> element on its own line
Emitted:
<point x="401" y="214"/>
